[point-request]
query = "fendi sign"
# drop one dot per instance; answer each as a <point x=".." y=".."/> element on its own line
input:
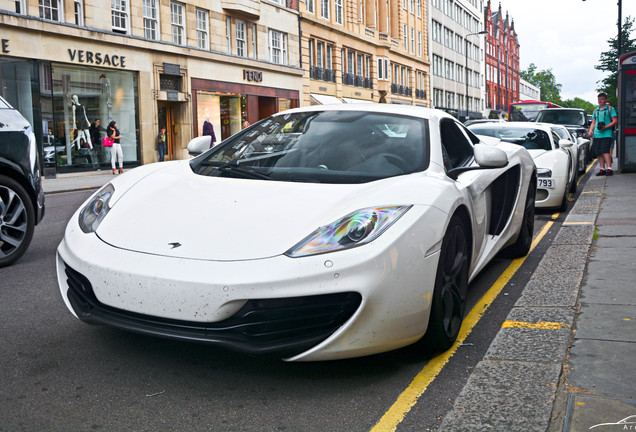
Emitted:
<point x="252" y="75"/>
<point x="97" y="58"/>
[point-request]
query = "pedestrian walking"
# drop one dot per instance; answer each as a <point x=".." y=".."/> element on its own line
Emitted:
<point x="208" y="129"/>
<point x="161" y="144"/>
<point x="115" y="150"/>
<point x="604" y="119"/>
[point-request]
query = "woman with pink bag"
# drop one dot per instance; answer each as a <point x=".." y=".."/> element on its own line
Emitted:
<point x="115" y="150"/>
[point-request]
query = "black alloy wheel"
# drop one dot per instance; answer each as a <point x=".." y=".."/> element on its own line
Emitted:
<point x="451" y="285"/>
<point x="521" y="246"/>
<point x="17" y="221"/>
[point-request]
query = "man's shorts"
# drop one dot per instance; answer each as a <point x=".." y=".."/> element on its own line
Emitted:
<point x="602" y="145"/>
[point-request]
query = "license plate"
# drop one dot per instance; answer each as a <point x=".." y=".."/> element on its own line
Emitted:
<point x="545" y="183"/>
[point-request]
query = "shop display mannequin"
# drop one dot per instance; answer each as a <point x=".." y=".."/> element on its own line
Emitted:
<point x="82" y="125"/>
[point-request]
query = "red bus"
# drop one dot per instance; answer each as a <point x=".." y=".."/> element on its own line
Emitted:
<point x="527" y="110"/>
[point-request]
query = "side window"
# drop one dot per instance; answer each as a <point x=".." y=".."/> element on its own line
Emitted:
<point x="456" y="147"/>
<point x="555" y="138"/>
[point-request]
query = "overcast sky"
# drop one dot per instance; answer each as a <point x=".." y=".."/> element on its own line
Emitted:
<point x="566" y="36"/>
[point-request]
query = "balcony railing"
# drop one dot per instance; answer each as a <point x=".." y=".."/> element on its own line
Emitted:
<point x="357" y="81"/>
<point x="322" y="74"/>
<point x="420" y="94"/>
<point x="401" y="90"/>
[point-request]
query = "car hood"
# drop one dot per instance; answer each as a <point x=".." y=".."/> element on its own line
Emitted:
<point x="536" y="154"/>
<point x="174" y="212"/>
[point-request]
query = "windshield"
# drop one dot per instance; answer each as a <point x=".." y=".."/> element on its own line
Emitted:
<point x="526" y="111"/>
<point x="530" y="138"/>
<point x="322" y="147"/>
<point x="562" y="117"/>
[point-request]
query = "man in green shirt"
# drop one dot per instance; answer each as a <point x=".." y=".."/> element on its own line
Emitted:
<point x="603" y="121"/>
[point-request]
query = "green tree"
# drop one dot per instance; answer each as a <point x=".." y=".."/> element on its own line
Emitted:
<point x="609" y="59"/>
<point x="545" y="80"/>
<point x="579" y="103"/>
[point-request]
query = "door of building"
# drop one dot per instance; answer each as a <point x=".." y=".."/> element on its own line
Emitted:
<point x="165" y="113"/>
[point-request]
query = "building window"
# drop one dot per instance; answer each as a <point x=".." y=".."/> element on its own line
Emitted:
<point x="405" y="4"/>
<point x="51" y="9"/>
<point x="412" y="10"/>
<point x="412" y="40"/>
<point x="437" y="32"/>
<point x="178" y="23"/>
<point x="419" y="43"/>
<point x="419" y="8"/>
<point x="405" y="36"/>
<point x="228" y="34"/>
<point x="79" y="12"/>
<point x="20" y="7"/>
<point x="310" y="6"/>
<point x="324" y="8"/>
<point x="151" y="21"/>
<point x="119" y="15"/>
<point x="254" y="42"/>
<point x="277" y="47"/>
<point x="338" y="6"/>
<point x="240" y="39"/>
<point x="203" y="29"/>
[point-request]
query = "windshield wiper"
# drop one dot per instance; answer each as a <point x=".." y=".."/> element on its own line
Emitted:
<point x="234" y="168"/>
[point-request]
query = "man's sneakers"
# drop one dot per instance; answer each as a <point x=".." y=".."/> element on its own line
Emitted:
<point x="605" y="172"/>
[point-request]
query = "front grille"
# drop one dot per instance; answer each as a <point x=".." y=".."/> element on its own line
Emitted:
<point x="282" y="327"/>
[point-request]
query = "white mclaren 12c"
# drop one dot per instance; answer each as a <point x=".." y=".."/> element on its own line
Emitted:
<point x="318" y="233"/>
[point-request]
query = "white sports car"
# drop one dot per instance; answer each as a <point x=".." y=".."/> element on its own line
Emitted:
<point x="318" y="233"/>
<point x="555" y="158"/>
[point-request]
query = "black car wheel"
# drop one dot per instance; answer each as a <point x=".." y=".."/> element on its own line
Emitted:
<point x="17" y="221"/>
<point x="451" y="285"/>
<point x="521" y="246"/>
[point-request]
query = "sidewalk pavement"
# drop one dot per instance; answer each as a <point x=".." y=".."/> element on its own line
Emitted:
<point x="76" y="181"/>
<point x="565" y="358"/>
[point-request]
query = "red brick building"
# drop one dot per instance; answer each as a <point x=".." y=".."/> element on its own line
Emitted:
<point x="502" y="61"/>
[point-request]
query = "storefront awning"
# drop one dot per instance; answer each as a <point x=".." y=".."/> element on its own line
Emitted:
<point x="319" y="99"/>
<point x="352" y="100"/>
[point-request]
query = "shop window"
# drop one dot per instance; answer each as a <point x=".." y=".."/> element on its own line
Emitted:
<point x="203" y="29"/>
<point x="51" y="9"/>
<point x="227" y="112"/>
<point x="178" y="23"/>
<point x="79" y="97"/>
<point x="151" y="20"/>
<point x="120" y="15"/>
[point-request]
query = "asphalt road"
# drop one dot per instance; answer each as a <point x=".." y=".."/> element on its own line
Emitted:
<point x="59" y="374"/>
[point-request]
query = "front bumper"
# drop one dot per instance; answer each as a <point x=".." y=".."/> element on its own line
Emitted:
<point x="346" y="304"/>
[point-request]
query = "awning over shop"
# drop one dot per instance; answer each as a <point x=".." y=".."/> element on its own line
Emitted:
<point x="320" y="99"/>
<point x="353" y="101"/>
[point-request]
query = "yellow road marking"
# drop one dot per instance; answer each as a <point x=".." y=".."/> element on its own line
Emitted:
<point x="578" y="223"/>
<point x="407" y="399"/>
<point x="541" y="325"/>
<point x="590" y="192"/>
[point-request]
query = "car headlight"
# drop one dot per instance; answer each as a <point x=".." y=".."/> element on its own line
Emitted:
<point x="355" y="229"/>
<point x="544" y="172"/>
<point x="96" y="209"/>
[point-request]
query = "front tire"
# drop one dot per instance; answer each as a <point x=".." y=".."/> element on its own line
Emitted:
<point x="17" y="221"/>
<point x="451" y="285"/>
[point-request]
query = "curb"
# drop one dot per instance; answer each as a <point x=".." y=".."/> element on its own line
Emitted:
<point x="518" y="385"/>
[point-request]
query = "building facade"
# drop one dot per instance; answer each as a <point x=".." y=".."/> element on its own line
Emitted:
<point x="528" y="91"/>
<point x="502" y="62"/>
<point x="146" y="65"/>
<point x="364" y="51"/>
<point x="457" y="56"/>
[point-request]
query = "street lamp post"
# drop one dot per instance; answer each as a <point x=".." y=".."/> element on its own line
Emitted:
<point x="466" y="66"/>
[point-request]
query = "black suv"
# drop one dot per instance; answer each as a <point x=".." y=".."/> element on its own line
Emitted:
<point x="21" y="194"/>
<point x="574" y="119"/>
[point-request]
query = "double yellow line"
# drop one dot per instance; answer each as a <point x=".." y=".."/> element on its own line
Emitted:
<point x="425" y="377"/>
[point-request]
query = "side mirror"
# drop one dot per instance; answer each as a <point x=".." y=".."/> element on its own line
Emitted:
<point x="486" y="157"/>
<point x="490" y="157"/>
<point x="199" y="145"/>
<point x="565" y="143"/>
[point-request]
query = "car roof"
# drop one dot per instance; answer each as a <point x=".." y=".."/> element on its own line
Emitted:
<point x="408" y="110"/>
<point x="516" y="125"/>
